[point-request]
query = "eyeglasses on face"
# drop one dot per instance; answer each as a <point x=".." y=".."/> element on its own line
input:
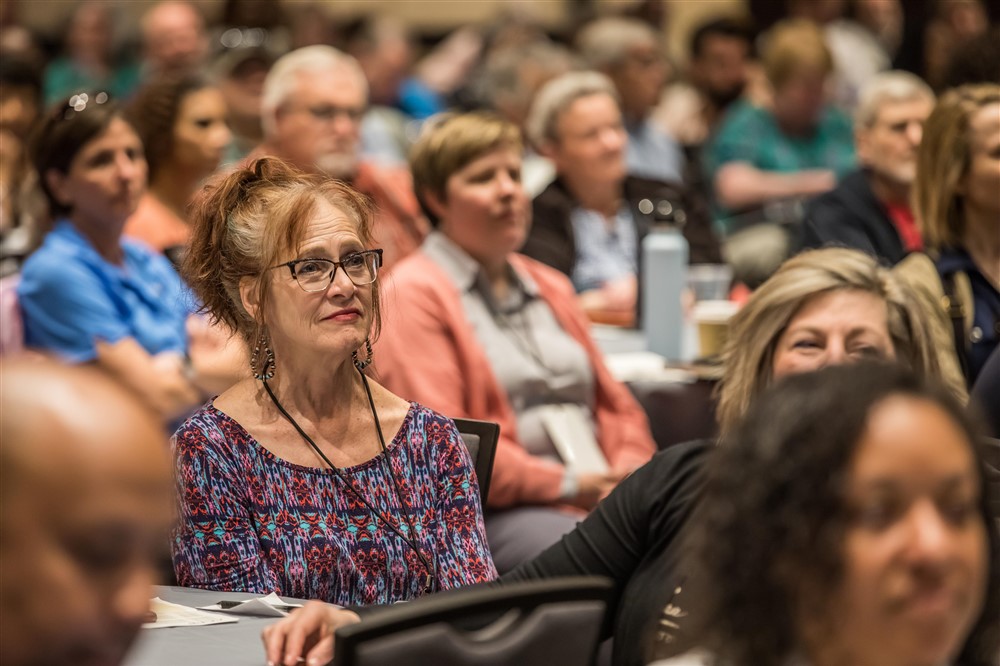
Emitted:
<point x="314" y="275"/>
<point x="326" y="113"/>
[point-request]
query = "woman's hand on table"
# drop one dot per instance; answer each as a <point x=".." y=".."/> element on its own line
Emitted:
<point x="306" y="635"/>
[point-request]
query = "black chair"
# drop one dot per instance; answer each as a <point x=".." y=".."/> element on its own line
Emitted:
<point x="480" y="438"/>
<point x="537" y="623"/>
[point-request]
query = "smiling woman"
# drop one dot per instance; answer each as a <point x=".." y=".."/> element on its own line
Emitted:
<point x="862" y="534"/>
<point x="309" y="479"/>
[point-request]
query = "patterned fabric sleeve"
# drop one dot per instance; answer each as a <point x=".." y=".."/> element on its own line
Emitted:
<point x="215" y="545"/>
<point x="463" y="555"/>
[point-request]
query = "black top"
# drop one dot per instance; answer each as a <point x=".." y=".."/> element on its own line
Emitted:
<point x="632" y="537"/>
<point x="851" y="216"/>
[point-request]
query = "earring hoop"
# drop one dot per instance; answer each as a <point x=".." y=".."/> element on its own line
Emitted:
<point x="262" y="360"/>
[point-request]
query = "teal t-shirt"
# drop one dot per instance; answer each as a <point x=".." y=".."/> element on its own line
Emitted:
<point x="751" y="134"/>
<point x="63" y="78"/>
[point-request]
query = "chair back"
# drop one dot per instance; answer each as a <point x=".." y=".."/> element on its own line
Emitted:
<point x="480" y="437"/>
<point x="536" y="623"/>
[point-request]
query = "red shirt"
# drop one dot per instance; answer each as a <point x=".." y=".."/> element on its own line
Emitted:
<point x="906" y="226"/>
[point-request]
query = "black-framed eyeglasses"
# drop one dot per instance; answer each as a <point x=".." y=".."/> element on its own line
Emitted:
<point x="315" y="275"/>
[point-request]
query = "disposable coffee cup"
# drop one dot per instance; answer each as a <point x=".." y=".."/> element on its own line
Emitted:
<point x="712" y="318"/>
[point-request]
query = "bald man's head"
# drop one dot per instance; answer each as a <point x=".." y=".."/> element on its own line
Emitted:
<point x="86" y="503"/>
<point x="174" y="38"/>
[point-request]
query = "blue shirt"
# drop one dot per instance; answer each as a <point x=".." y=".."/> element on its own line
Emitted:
<point x="603" y="254"/>
<point x="653" y="154"/>
<point x="71" y="297"/>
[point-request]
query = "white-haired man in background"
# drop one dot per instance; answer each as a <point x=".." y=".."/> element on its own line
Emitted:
<point x="870" y="208"/>
<point x="313" y="101"/>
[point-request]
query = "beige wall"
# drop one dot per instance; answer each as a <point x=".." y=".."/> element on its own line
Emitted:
<point x="49" y="15"/>
<point x="686" y="15"/>
<point x="431" y="15"/>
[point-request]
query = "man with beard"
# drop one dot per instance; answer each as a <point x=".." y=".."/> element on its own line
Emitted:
<point x="86" y="504"/>
<point x="313" y="102"/>
<point x="720" y="64"/>
<point x="870" y="208"/>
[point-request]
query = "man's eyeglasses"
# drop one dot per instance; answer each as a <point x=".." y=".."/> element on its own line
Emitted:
<point x="316" y="274"/>
<point x="326" y="113"/>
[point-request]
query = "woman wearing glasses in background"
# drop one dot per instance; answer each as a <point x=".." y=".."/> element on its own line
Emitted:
<point x="88" y="295"/>
<point x="308" y="479"/>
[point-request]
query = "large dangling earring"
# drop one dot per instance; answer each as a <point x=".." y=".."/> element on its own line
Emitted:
<point x="262" y="360"/>
<point x="362" y="363"/>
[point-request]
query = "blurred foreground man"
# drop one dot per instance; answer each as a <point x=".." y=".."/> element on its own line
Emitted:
<point x="86" y="503"/>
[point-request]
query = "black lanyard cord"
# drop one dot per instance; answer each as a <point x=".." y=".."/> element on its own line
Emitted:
<point x="430" y="577"/>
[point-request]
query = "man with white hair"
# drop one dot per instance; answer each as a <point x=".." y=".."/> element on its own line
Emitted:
<point x="870" y="210"/>
<point x="313" y="102"/>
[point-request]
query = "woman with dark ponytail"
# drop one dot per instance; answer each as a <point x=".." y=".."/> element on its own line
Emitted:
<point x="308" y="478"/>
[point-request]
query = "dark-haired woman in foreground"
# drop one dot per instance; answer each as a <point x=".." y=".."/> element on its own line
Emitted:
<point x="845" y="521"/>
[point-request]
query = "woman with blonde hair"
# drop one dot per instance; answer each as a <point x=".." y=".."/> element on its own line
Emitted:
<point x="957" y="205"/>
<point x="763" y="338"/>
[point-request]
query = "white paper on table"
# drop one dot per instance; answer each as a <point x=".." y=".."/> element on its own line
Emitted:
<point x="257" y="607"/>
<point x="176" y="615"/>
<point x="573" y="436"/>
<point x="644" y="366"/>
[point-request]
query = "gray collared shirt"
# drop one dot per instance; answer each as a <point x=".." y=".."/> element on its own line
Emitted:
<point x="533" y="358"/>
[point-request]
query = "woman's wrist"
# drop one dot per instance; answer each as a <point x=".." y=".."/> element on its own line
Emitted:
<point x="570" y="486"/>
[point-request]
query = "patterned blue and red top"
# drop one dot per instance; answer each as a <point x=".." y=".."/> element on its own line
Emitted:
<point x="252" y="522"/>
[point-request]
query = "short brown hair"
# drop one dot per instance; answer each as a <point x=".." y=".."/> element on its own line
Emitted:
<point x="245" y="221"/>
<point x="449" y="142"/>
<point x="943" y="159"/>
<point x="792" y="46"/>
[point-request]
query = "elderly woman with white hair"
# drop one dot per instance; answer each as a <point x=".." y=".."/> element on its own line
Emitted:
<point x="590" y="222"/>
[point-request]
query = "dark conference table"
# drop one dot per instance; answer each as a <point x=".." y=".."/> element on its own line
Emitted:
<point x="235" y="644"/>
<point x="678" y="411"/>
